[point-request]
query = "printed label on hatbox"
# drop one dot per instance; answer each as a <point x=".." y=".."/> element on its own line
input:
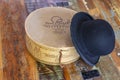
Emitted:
<point x="58" y="24"/>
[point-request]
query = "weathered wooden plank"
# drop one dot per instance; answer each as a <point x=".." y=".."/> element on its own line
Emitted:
<point x="115" y="57"/>
<point x="108" y="69"/>
<point x="102" y="10"/>
<point x="18" y="64"/>
<point x="1" y="59"/>
<point x="114" y="23"/>
<point x="75" y="5"/>
<point x="66" y="73"/>
<point x="82" y="6"/>
<point x="1" y="65"/>
<point x="90" y="4"/>
<point x="73" y="71"/>
<point x="50" y="72"/>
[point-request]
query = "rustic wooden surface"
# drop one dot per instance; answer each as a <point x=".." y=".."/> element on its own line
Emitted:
<point x="17" y="64"/>
<point x="110" y="11"/>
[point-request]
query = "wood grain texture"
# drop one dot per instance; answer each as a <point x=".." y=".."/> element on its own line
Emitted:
<point x="115" y="57"/>
<point x="102" y="9"/>
<point x="18" y="64"/>
<point x="66" y="73"/>
<point x="1" y="64"/>
<point x="107" y="10"/>
<point x="73" y="71"/>
<point x="108" y="69"/>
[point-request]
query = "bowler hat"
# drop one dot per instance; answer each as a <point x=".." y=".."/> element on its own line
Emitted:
<point x="92" y="38"/>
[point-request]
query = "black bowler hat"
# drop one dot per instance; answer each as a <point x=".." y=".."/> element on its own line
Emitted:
<point x="92" y="38"/>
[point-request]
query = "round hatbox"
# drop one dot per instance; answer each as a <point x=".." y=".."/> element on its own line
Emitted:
<point x="48" y="35"/>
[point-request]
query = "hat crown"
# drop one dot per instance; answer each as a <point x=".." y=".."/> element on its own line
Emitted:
<point x="98" y="37"/>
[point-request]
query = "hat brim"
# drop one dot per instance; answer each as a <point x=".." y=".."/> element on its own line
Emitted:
<point x="77" y="40"/>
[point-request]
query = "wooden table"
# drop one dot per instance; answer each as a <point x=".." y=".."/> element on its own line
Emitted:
<point x="17" y="64"/>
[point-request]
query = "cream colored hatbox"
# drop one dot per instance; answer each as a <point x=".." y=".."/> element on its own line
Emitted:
<point x="48" y="35"/>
